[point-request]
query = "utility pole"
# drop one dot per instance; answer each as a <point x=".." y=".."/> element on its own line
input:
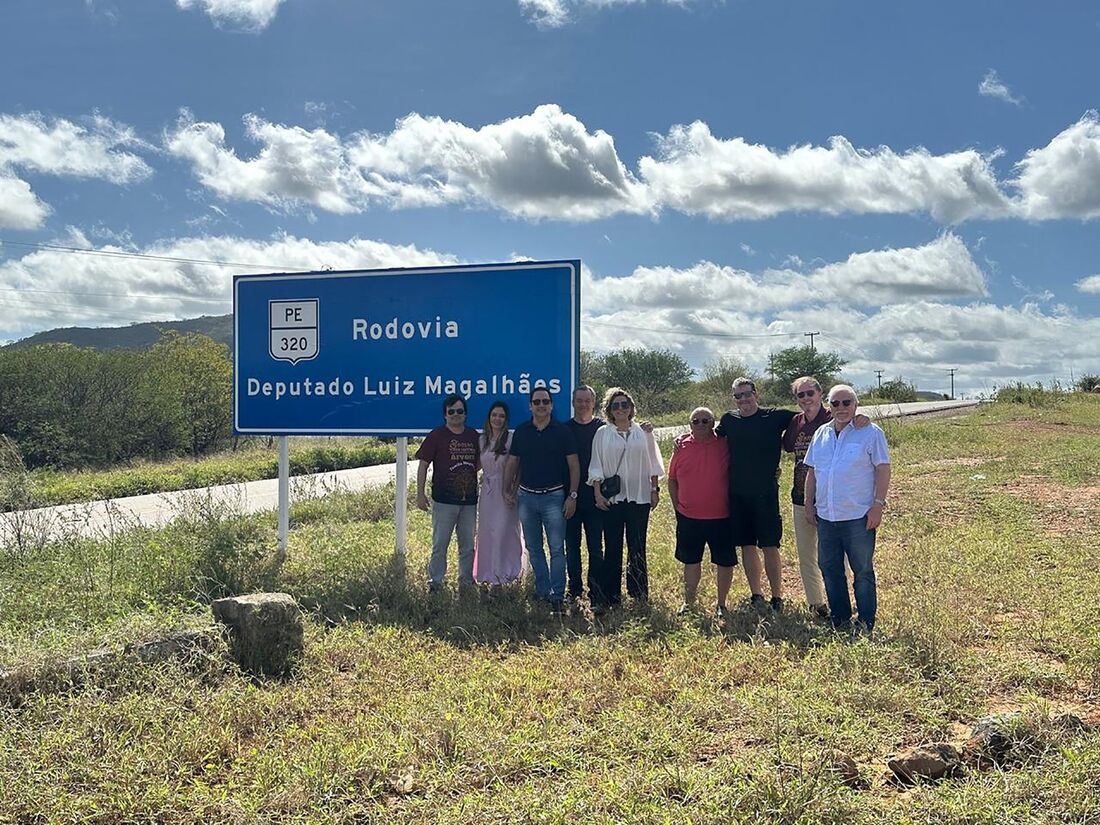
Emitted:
<point x="878" y="374"/>
<point x="810" y="335"/>
<point x="952" y="372"/>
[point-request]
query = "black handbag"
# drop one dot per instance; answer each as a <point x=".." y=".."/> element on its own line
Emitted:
<point x="613" y="485"/>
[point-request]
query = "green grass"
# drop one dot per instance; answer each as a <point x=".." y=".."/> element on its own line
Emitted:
<point x="50" y="487"/>
<point x="460" y="710"/>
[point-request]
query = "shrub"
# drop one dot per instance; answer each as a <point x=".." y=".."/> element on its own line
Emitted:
<point x="1033" y="395"/>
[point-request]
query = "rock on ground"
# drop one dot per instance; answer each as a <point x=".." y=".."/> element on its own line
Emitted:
<point x="265" y="632"/>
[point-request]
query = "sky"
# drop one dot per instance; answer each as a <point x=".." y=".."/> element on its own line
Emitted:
<point x="918" y="184"/>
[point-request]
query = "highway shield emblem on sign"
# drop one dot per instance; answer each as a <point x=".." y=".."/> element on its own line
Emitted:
<point x="293" y="330"/>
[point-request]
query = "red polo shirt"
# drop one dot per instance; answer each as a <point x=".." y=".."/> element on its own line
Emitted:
<point x="701" y="470"/>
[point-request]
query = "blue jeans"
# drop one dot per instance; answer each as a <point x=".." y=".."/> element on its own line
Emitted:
<point x="835" y="540"/>
<point x="539" y="511"/>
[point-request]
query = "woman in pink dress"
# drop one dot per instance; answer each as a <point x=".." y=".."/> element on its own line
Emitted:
<point x="498" y="548"/>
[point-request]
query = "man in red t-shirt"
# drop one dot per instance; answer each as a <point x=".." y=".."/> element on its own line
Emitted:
<point x="697" y="485"/>
<point x="455" y="456"/>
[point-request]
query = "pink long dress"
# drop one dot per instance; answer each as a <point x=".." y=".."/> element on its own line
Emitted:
<point x="498" y="548"/>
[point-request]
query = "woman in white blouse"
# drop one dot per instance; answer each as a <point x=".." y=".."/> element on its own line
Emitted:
<point x="622" y="448"/>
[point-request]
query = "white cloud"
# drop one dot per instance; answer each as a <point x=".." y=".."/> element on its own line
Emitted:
<point x="20" y="208"/>
<point x="698" y="173"/>
<point x="249" y="14"/>
<point x="62" y="147"/>
<point x="546" y="14"/>
<point x="898" y="310"/>
<point x="940" y="269"/>
<point x="549" y="165"/>
<point x="1062" y="179"/>
<point x="553" y="14"/>
<point x="1090" y="284"/>
<point x="992" y="86"/>
<point x="33" y="143"/>
<point x="542" y="165"/>
<point x="49" y="288"/>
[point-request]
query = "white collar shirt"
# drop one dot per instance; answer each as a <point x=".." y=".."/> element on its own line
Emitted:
<point x="844" y="469"/>
<point x="641" y="461"/>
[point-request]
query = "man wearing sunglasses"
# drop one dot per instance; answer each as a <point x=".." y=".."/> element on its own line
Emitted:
<point x="754" y="435"/>
<point x="813" y="415"/>
<point x="697" y="478"/>
<point x="847" y="480"/>
<point x="543" y="459"/>
<point x="455" y="456"/>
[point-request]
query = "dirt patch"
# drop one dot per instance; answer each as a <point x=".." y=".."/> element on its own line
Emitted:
<point x="1062" y="510"/>
<point x="970" y="461"/>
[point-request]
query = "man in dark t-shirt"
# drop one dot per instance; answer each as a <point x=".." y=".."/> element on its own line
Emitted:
<point x="544" y="457"/>
<point x="755" y="436"/>
<point x="455" y="456"/>
<point x="587" y="515"/>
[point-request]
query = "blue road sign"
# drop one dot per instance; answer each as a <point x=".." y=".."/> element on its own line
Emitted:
<point x="374" y="352"/>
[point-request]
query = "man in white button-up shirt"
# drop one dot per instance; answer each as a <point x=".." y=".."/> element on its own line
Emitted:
<point x="846" y="484"/>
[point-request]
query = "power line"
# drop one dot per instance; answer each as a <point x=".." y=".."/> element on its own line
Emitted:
<point x="142" y="256"/>
<point x="688" y="332"/>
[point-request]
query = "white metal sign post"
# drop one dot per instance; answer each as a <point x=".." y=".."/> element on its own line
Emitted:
<point x="284" y="495"/>
<point x="401" y="497"/>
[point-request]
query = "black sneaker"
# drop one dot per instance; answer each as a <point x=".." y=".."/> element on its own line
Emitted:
<point x="555" y="608"/>
<point x="685" y="608"/>
<point x="719" y="612"/>
<point x="777" y="604"/>
<point x="820" y="611"/>
<point x="757" y="602"/>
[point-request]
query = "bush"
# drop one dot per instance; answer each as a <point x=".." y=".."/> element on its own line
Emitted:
<point x="1087" y="383"/>
<point x="1033" y="395"/>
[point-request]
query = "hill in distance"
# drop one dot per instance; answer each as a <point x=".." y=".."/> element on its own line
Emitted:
<point x="135" y="336"/>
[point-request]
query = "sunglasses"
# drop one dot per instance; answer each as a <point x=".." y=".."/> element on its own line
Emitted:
<point x="697" y="421"/>
<point x="620" y="405"/>
<point x="745" y="394"/>
<point x="541" y="402"/>
<point x="456" y="411"/>
<point x="806" y="393"/>
<point x="847" y="402"/>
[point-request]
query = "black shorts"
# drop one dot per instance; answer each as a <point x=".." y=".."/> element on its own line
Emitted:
<point x="755" y="519"/>
<point x="692" y="534"/>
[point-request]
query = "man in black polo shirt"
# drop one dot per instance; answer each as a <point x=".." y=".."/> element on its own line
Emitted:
<point x="544" y="457"/>
<point x="755" y="438"/>
<point x="587" y="515"/>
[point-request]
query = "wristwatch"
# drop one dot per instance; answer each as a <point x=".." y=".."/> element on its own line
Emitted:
<point x="881" y="502"/>
<point x="573" y="495"/>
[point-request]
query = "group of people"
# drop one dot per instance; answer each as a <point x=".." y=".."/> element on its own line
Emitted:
<point x="550" y="483"/>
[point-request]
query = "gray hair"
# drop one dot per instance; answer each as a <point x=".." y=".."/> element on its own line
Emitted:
<point x="584" y="388"/>
<point x="843" y="388"/>
<point x="742" y="381"/>
<point x="798" y="382"/>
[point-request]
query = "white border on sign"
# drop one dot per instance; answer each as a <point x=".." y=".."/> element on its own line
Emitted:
<point x="574" y="332"/>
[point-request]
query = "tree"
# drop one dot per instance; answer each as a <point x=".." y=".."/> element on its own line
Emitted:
<point x="650" y="375"/>
<point x="716" y="381"/>
<point x="192" y="373"/>
<point x="794" y="362"/>
<point x="895" y="390"/>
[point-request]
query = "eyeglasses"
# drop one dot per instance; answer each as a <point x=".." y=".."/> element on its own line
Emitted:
<point x="836" y="402"/>
<point x="456" y="411"/>
<point x="745" y="394"/>
<point x="806" y="393"/>
<point x="697" y="421"/>
<point x="620" y="405"/>
<point x="541" y="402"/>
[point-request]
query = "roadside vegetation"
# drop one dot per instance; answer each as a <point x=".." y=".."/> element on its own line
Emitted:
<point x="487" y="710"/>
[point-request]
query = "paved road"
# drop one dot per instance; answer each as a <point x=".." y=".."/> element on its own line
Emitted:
<point x="99" y="518"/>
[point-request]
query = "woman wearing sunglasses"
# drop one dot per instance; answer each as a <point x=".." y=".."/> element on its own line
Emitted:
<point x="625" y="468"/>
